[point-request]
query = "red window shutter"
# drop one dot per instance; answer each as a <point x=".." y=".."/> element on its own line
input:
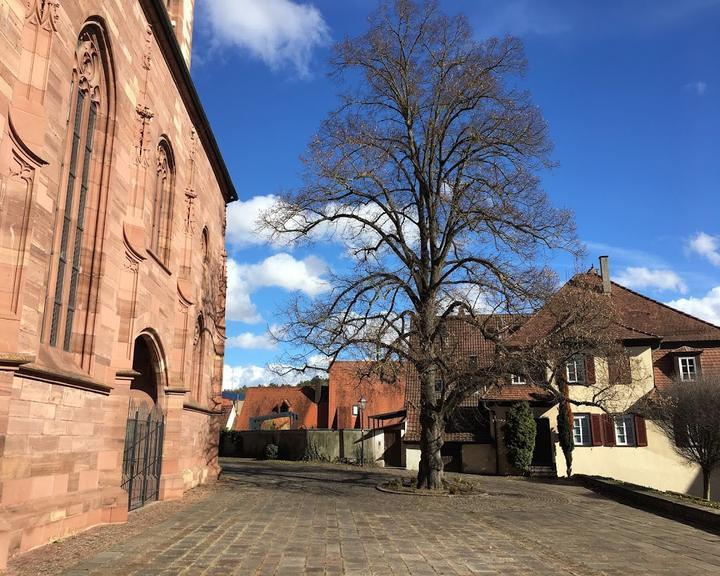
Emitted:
<point x="640" y="431"/>
<point x="609" y="430"/>
<point x="681" y="435"/>
<point x="589" y="369"/>
<point x="596" y="428"/>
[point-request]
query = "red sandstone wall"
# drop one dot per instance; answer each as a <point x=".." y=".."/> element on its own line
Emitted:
<point x="62" y="414"/>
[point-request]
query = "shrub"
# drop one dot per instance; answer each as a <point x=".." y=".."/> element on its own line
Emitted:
<point x="271" y="451"/>
<point x="519" y="431"/>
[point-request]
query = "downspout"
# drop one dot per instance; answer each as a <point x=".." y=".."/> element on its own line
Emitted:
<point x="495" y="431"/>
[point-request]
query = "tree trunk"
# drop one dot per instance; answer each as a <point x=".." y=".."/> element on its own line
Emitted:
<point x="706" y="483"/>
<point x="430" y="473"/>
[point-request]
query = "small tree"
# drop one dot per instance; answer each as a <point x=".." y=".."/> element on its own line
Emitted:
<point x="565" y="432"/>
<point x="519" y="432"/>
<point x="687" y="413"/>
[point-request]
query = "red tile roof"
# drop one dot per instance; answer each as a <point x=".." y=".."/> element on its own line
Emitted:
<point x="638" y="318"/>
<point x="265" y="400"/>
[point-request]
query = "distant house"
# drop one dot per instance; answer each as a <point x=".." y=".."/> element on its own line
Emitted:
<point x="384" y="395"/>
<point x="282" y="408"/>
<point x="663" y="345"/>
<point x="335" y="405"/>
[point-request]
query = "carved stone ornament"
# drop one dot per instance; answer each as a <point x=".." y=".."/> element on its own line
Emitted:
<point x="43" y="13"/>
<point x="144" y="116"/>
<point x="88" y="66"/>
<point x="163" y="166"/>
<point x="147" y="53"/>
<point x="20" y="169"/>
<point x="198" y="331"/>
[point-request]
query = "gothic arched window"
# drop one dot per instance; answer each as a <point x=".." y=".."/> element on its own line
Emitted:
<point x="163" y="202"/>
<point x="84" y="174"/>
<point x="199" y="359"/>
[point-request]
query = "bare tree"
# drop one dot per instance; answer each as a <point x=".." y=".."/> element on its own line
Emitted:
<point x="687" y="413"/>
<point x="428" y="173"/>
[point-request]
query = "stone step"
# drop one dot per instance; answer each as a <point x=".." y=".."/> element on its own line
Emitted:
<point x="543" y="472"/>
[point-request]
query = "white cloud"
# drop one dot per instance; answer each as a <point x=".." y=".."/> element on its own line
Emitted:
<point x="281" y="33"/>
<point x="251" y="341"/>
<point x="707" y="307"/>
<point x="284" y="271"/>
<point x="253" y="375"/>
<point x="242" y="221"/>
<point x="698" y="87"/>
<point x="641" y="278"/>
<point x="707" y="246"/>
<point x="239" y="306"/>
<point x="279" y="271"/>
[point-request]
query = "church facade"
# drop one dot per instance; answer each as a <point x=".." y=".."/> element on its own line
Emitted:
<point x="112" y="265"/>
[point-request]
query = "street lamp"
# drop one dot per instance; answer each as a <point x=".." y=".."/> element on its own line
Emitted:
<point x="361" y="404"/>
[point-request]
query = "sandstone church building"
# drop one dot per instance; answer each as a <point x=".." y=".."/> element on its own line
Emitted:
<point x="112" y="265"/>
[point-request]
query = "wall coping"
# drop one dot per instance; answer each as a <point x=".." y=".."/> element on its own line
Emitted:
<point x="38" y="372"/>
<point x="701" y="516"/>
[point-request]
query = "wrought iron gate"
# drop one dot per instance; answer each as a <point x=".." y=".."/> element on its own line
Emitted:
<point x="142" y="458"/>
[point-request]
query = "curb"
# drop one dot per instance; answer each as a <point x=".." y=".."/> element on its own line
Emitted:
<point x="428" y="494"/>
<point x="688" y="513"/>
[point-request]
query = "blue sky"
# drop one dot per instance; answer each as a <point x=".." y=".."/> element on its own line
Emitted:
<point x="630" y="89"/>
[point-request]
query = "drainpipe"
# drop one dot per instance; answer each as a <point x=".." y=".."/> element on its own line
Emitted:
<point x="495" y="429"/>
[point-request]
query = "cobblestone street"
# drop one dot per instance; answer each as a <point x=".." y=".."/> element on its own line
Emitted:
<point x="291" y="518"/>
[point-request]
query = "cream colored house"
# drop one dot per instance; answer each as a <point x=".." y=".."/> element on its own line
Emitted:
<point x="662" y="344"/>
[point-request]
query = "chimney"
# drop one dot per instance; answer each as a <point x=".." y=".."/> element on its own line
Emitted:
<point x="605" y="274"/>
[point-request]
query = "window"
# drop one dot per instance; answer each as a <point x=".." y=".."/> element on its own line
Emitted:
<point x="204" y="245"/>
<point x="517" y="379"/>
<point x="688" y="368"/>
<point x="472" y="361"/>
<point x="438" y="385"/>
<point x="81" y="189"/>
<point x="355" y="410"/>
<point x="581" y="430"/>
<point x="624" y="430"/>
<point x="163" y="203"/>
<point x="575" y="370"/>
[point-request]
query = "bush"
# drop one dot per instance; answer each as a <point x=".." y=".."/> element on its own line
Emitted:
<point x="519" y="431"/>
<point x="271" y="451"/>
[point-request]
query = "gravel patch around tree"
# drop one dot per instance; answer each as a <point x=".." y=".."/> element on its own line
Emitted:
<point x="58" y="556"/>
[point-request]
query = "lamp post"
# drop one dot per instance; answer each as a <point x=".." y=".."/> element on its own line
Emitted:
<point x="361" y="405"/>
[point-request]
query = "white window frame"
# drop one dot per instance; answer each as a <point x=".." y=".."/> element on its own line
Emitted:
<point x="355" y="410"/>
<point x="624" y="426"/>
<point x="578" y="427"/>
<point x="577" y="365"/>
<point x="517" y="380"/>
<point x="686" y="373"/>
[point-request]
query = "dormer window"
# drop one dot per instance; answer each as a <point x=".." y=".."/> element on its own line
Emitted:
<point x="575" y="370"/>
<point x="687" y="368"/>
<point x="517" y="380"/>
<point x="472" y="361"/>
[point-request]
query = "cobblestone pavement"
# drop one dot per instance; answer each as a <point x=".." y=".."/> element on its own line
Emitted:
<point x="291" y="518"/>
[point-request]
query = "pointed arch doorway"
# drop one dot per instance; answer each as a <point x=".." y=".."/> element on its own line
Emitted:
<point x="145" y="426"/>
